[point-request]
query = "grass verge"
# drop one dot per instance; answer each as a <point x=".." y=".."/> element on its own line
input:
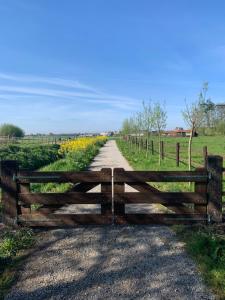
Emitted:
<point x="13" y="243"/>
<point x="206" y="245"/>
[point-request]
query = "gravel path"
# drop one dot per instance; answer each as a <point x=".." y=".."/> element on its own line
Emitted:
<point x="109" y="262"/>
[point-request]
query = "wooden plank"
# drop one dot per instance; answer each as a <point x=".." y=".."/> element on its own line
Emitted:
<point x="214" y="167"/>
<point x="106" y="187"/>
<point x="159" y="176"/>
<point x="171" y="198"/>
<point x="200" y="188"/>
<point x="161" y="219"/>
<point x="61" y="220"/>
<point x="119" y="187"/>
<point x="9" y="168"/>
<point x="181" y="209"/>
<point x="61" y="177"/>
<point x="143" y="187"/>
<point x="205" y="154"/>
<point x="83" y="187"/>
<point x="64" y="198"/>
<point x="26" y="208"/>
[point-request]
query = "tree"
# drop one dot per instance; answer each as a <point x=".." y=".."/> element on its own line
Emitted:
<point x="159" y="116"/>
<point x="194" y="116"/>
<point x="139" y="128"/>
<point x="208" y="106"/>
<point x="147" y="121"/>
<point x="11" y="130"/>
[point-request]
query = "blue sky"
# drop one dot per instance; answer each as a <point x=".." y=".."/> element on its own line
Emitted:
<point x="70" y="66"/>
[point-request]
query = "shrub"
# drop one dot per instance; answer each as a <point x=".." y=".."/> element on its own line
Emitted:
<point x="11" y="130"/>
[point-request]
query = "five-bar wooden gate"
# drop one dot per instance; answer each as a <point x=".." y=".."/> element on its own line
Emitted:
<point x="108" y="188"/>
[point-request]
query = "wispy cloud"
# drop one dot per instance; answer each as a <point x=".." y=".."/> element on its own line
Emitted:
<point x="60" y="88"/>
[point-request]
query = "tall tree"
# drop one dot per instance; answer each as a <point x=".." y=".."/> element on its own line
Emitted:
<point x="147" y="122"/>
<point x="194" y="117"/>
<point x="159" y="123"/>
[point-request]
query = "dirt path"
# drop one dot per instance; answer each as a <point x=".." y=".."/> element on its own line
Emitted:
<point x="109" y="262"/>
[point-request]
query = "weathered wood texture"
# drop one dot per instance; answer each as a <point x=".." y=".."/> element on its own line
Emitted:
<point x="118" y="187"/>
<point x="63" y="220"/>
<point x="9" y="187"/>
<point x="159" y="176"/>
<point x="106" y="191"/>
<point x="61" y="177"/>
<point x="181" y="203"/>
<point x="165" y="219"/>
<point x="201" y="187"/>
<point x="205" y="155"/>
<point x="171" y="198"/>
<point x="214" y="188"/>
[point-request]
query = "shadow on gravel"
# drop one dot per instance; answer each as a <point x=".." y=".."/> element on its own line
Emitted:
<point x="109" y="262"/>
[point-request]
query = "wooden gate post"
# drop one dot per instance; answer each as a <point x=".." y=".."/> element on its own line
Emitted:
<point x="177" y="154"/>
<point x="205" y="154"/>
<point x="9" y="169"/>
<point x="214" y="189"/>
<point x="106" y="187"/>
<point x="118" y="187"/>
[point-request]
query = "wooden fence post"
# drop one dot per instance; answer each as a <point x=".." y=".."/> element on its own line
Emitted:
<point x="205" y="154"/>
<point x="9" y="168"/>
<point x="214" y="189"/>
<point x="106" y="187"/>
<point x="118" y="187"/>
<point x="177" y="154"/>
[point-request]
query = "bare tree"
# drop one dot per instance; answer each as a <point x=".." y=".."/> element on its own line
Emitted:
<point x="194" y="117"/>
<point x="159" y="122"/>
<point x="147" y="122"/>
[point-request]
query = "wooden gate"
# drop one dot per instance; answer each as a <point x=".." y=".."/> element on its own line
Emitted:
<point x="17" y="198"/>
<point x="203" y="205"/>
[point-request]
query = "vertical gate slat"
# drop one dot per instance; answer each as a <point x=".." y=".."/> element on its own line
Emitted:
<point x="106" y="187"/>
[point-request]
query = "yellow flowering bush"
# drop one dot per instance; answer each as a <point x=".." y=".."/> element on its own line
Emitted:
<point x="80" y="144"/>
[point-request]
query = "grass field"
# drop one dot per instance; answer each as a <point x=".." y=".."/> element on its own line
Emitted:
<point x="215" y="145"/>
<point x="205" y="244"/>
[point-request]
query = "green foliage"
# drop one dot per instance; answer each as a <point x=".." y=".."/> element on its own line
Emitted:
<point x="11" y="130"/>
<point x="11" y="243"/>
<point x="73" y="161"/>
<point x="30" y="157"/>
<point x="207" y="247"/>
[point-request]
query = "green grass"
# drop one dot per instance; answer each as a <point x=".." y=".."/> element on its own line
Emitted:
<point x="215" y="145"/>
<point x="12" y="246"/>
<point x="206" y="245"/>
<point x="76" y="161"/>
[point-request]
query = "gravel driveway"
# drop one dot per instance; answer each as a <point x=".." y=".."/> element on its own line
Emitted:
<point x="109" y="262"/>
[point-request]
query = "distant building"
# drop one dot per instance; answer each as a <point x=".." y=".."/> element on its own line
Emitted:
<point x="179" y="132"/>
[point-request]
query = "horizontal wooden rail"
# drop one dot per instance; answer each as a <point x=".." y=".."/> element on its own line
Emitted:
<point x="63" y="220"/>
<point x="166" y="219"/>
<point x="64" y="198"/>
<point x="62" y="177"/>
<point x="171" y="198"/>
<point x="162" y="176"/>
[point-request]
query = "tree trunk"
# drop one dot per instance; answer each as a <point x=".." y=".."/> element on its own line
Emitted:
<point x="147" y="146"/>
<point x="190" y="149"/>
<point x="159" y="148"/>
